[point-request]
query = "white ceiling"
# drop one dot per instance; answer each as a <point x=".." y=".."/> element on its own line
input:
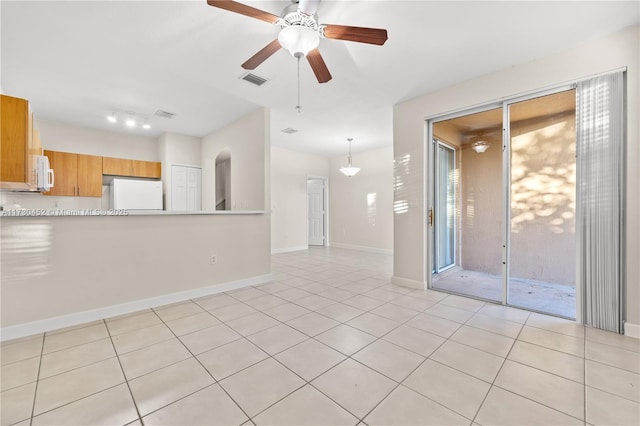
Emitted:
<point x="76" y="61"/>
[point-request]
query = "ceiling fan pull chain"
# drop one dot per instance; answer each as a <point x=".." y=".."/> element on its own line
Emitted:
<point x="298" y="107"/>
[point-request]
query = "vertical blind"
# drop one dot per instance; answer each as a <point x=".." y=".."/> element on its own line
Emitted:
<point x="601" y="199"/>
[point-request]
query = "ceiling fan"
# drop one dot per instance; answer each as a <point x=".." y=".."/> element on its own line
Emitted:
<point x="301" y="33"/>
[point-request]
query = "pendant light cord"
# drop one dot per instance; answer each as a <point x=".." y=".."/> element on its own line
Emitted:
<point x="349" y="162"/>
<point x="298" y="107"/>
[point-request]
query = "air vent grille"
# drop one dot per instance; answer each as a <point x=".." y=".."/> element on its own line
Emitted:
<point x="288" y="130"/>
<point x="254" y="79"/>
<point x="164" y="114"/>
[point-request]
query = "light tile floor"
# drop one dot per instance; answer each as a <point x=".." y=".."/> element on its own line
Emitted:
<point x="329" y="341"/>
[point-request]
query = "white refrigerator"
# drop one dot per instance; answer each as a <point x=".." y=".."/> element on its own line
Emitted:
<point x="136" y="194"/>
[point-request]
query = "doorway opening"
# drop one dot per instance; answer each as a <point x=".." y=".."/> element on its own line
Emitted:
<point x="503" y="191"/>
<point x="317" y="211"/>
<point x="223" y="180"/>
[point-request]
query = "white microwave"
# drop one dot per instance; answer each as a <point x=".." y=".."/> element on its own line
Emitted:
<point x="44" y="173"/>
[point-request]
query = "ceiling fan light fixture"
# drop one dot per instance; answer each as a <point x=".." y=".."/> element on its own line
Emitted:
<point x="111" y="118"/>
<point x="480" y="146"/>
<point x="130" y="122"/>
<point x="298" y="40"/>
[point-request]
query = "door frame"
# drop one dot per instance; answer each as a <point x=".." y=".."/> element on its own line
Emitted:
<point x="325" y="182"/>
<point x="436" y="182"/>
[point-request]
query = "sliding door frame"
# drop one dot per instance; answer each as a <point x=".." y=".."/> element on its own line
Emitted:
<point x="506" y="187"/>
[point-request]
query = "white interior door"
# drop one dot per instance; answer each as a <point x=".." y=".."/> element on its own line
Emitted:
<point x="186" y="188"/>
<point x="194" y="189"/>
<point x="178" y="188"/>
<point x="316" y="212"/>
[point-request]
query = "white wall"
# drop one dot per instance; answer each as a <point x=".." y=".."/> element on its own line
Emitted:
<point x="289" y="172"/>
<point x="618" y="50"/>
<point x="56" y="136"/>
<point x="361" y="207"/>
<point x="248" y="140"/>
<point x="61" y="267"/>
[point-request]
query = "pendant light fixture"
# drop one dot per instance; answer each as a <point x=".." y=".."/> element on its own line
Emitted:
<point x="350" y="170"/>
<point x="480" y="146"/>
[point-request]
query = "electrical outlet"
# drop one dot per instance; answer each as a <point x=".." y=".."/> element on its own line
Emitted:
<point x="213" y="259"/>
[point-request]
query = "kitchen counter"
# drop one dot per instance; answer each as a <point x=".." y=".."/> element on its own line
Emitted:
<point x="23" y="213"/>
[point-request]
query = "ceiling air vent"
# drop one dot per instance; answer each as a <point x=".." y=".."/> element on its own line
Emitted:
<point x="288" y="130"/>
<point x="164" y="114"/>
<point x="254" y="79"/>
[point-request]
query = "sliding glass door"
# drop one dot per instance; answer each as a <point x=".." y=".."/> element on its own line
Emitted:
<point x="542" y="203"/>
<point x="503" y="194"/>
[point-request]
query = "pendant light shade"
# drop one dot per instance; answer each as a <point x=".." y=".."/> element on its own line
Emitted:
<point x="350" y="171"/>
<point x="480" y="146"/>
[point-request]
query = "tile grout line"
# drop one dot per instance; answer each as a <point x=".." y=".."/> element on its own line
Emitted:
<point x="492" y="384"/>
<point x="523" y="396"/>
<point x="124" y="375"/>
<point x="349" y="357"/>
<point x="311" y="338"/>
<point x="35" y="392"/>
<point x="400" y="383"/>
<point x="215" y="382"/>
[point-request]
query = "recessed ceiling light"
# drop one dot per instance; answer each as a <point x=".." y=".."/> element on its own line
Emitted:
<point x="146" y="125"/>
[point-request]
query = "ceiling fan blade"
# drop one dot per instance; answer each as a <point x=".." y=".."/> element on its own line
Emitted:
<point x="318" y="66"/>
<point x="359" y="34"/>
<point x="243" y="9"/>
<point x="308" y="7"/>
<point x="264" y="54"/>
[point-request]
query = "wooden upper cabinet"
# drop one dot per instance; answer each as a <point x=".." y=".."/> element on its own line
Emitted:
<point x="65" y="169"/>
<point x="89" y="176"/>
<point x="14" y="142"/>
<point x="132" y="168"/>
<point x="116" y="166"/>
<point x="147" y="169"/>
<point x="75" y="174"/>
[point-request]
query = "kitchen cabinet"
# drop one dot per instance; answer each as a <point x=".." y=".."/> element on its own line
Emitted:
<point x="19" y="143"/>
<point x="131" y="168"/>
<point x="146" y="169"/>
<point x="75" y="174"/>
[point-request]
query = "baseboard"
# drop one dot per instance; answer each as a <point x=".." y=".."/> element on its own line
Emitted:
<point x="632" y="330"/>
<point x="35" y="327"/>
<point x="406" y="282"/>
<point x="362" y="248"/>
<point x="289" y="249"/>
